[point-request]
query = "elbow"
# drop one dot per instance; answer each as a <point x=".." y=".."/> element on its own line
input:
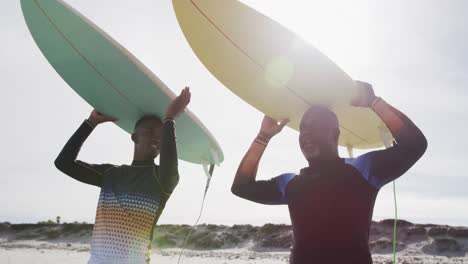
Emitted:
<point x="242" y="186"/>
<point x="176" y="178"/>
<point x="173" y="180"/>
<point x="424" y="144"/>
<point x="237" y="185"/>
<point x="418" y="147"/>
<point x="62" y="164"/>
<point x="239" y="191"/>
<point x="421" y="147"/>
<point x="59" y="164"/>
<point x="235" y="190"/>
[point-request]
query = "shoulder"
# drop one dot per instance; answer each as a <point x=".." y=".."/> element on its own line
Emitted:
<point x="282" y="182"/>
<point x="284" y="179"/>
<point x="98" y="168"/>
<point x="363" y="164"/>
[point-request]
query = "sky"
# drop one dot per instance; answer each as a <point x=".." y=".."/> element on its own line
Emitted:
<point x="413" y="53"/>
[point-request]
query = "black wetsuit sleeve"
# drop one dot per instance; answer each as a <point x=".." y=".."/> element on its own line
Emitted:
<point x="264" y="192"/>
<point x="67" y="161"/>
<point x="168" y="167"/>
<point x="383" y="166"/>
<point x="271" y="192"/>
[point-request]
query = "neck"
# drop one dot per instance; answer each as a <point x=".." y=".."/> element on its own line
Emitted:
<point x="324" y="157"/>
<point x="137" y="156"/>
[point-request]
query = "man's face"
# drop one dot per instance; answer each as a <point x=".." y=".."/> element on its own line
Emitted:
<point x="319" y="133"/>
<point x="147" y="138"/>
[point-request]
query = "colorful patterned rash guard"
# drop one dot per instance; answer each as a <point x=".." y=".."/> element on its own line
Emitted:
<point x="131" y="200"/>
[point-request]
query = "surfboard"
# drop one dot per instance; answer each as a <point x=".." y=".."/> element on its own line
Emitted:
<point x="109" y="77"/>
<point x="272" y="68"/>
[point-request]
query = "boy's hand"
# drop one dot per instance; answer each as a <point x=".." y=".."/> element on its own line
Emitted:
<point x="178" y="105"/>
<point x="96" y="118"/>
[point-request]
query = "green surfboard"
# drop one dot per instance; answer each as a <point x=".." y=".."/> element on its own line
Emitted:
<point x="109" y="77"/>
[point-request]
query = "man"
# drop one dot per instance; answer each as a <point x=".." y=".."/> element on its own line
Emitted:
<point x="132" y="196"/>
<point x="331" y="201"/>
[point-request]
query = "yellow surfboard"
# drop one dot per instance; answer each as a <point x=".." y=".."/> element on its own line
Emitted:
<point x="273" y="69"/>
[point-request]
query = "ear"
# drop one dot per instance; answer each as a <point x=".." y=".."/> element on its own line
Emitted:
<point x="134" y="138"/>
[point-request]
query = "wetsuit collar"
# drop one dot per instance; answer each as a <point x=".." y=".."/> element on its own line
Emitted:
<point x="321" y="164"/>
<point x="143" y="163"/>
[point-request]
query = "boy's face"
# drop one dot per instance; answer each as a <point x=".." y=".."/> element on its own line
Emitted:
<point x="147" y="138"/>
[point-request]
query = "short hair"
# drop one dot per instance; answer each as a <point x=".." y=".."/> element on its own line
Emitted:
<point x="324" y="112"/>
<point x="146" y="118"/>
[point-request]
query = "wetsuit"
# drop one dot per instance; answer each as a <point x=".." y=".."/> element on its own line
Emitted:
<point x="131" y="200"/>
<point x="331" y="201"/>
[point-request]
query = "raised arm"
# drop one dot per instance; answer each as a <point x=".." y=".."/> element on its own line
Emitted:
<point x="245" y="185"/>
<point x="168" y="167"/>
<point x="410" y="143"/>
<point x="67" y="161"/>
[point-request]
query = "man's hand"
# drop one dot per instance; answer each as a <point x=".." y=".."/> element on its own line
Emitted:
<point x="178" y="105"/>
<point x="365" y="95"/>
<point x="96" y="118"/>
<point x="271" y="127"/>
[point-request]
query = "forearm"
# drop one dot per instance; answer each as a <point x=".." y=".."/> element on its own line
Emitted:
<point x="406" y="133"/>
<point x="67" y="161"/>
<point x="247" y="171"/>
<point x="69" y="153"/>
<point x="245" y="184"/>
<point x="168" y="159"/>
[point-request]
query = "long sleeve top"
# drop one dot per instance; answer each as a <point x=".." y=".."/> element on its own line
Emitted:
<point x="131" y="200"/>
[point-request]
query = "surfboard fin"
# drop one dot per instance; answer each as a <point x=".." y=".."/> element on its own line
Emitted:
<point x="215" y="156"/>
<point x="350" y="151"/>
<point x="209" y="169"/>
<point x="385" y="137"/>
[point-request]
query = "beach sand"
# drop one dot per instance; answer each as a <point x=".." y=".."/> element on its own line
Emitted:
<point x="32" y="252"/>
<point x="215" y="244"/>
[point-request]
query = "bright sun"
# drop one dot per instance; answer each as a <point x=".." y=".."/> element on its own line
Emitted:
<point x="342" y="30"/>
